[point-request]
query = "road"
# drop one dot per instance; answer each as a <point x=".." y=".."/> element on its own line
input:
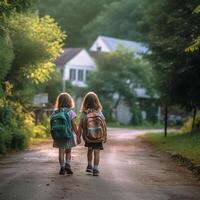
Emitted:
<point x="130" y="170"/>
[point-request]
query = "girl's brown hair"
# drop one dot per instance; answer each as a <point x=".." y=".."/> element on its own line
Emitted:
<point x="64" y="100"/>
<point x="91" y="101"/>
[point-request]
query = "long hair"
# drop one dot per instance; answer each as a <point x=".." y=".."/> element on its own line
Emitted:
<point x="91" y="101"/>
<point x="64" y="100"/>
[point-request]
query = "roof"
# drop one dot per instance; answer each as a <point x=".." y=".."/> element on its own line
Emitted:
<point x="67" y="55"/>
<point x="94" y="54"/>
<point x="113" y="43"/>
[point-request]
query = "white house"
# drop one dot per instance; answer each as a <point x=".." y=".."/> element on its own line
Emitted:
<point x="75" y="64"/>
<point x="109" y="44"/>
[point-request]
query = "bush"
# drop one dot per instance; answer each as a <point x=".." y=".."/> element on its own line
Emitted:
<point x="39" y="131"/>
<point x="11" y="139"/>
<point x="15" y="133"/>
<point x="187" y="126"/>
<point x="5" y="139"/>
<point x="136" y="116"/>
<point x="19" y="141"/>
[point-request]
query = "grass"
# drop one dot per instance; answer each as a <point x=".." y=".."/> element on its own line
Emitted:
<point x="145" y="125"/>
<point x="185" y="144"/>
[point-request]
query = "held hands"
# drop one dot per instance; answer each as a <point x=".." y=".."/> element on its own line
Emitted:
<point x="78" y="140"/>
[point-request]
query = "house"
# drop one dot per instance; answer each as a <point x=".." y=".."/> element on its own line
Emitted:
<point x="75" y="64"/>
<point x="109" y="44"/>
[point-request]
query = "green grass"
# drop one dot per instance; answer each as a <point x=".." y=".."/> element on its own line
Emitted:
<point x="145" y="125"/>
<point x="185" y="144"/>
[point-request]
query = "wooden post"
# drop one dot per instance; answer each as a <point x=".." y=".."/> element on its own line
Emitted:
<point x="166" y="120"/>
<point x="194" y="117"/>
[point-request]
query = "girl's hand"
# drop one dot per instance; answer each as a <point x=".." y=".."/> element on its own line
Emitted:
<point x="78" y="140"/>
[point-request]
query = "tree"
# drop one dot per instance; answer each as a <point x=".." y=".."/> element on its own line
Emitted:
<point x="28" y="46"/>
<point x="120" y="19"/>
<point x="72" y="16"/>
<point x="116" y="77"/>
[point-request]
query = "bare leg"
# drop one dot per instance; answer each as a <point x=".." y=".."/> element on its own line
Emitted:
<point x="89" y="156"/>
<point x="68" y="154"/>
<point x="68" y="161"/>
<point x="96" y="157"/>
<point x="61" y="157"/>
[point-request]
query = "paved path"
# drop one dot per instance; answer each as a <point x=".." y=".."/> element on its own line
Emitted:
<point x="130" y="171"/>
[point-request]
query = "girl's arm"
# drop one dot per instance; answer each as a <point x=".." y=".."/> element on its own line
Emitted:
<point x="75" y="128"/>
<point x="106" y="132"/>
<point x="80" y="128"/>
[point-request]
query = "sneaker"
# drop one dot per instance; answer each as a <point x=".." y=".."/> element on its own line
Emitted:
<point x="96" y="172"/>
<point x="68" y="169"/>
<point x="89" y="169"/>
<point x="62" y="171"/>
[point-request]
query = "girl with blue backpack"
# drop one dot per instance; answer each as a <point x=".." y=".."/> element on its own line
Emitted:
<point x="63" y="127"/>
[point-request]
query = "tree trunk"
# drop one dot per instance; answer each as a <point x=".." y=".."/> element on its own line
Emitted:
<point x="194" y="117"/>
<point x="166" y="120"/>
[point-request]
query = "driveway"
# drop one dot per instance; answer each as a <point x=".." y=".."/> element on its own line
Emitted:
<point x="130" y="170"/>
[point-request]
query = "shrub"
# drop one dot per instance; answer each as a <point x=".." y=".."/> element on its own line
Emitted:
<point x="39" y="131"/>
<point x="136" y="115"/>
<point x="5" y="139"/>
<point x="187" y="126"/>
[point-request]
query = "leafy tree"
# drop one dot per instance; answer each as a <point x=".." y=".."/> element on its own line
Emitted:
<point x="36" y="45"/>
<point x="73" y="15"/>
<point x="195" y="46"/>
<point x="119" y="19"/>
<point x="168" y="28"/>
<point x="8" y="6"/>
<point x="168" y="36"/>
<point x="117" y="75"/>
<point x="6" y="56"/>
<point x="28" y="46"/>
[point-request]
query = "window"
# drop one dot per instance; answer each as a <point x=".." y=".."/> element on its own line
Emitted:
<point x="72" y="75"/>
<point x="87" y="74"/>
<point x="80" y="75"/>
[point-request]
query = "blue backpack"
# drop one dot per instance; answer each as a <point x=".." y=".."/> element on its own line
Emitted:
<point x="61" y="125"/>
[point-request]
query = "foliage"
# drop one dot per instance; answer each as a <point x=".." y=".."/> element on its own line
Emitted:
<point x="73" y="15"/>
<point x="36" y="45"/>
<point x="6" y="57"/>
<point x="29" y="45"/>
<point x="52" y="87"/>
<point x="187" y="145"/>
<point x="119" y="19"/>
<point x="8" y="6"/>
<point x="14" y="132"/>
<point x="168" y="27"/>
<point x="115" y="85"/>
<point x="187" y="126"/>
<point x="196" y="45"/>
<point x="167" y="36"/>
<point x="136" y="115"/>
